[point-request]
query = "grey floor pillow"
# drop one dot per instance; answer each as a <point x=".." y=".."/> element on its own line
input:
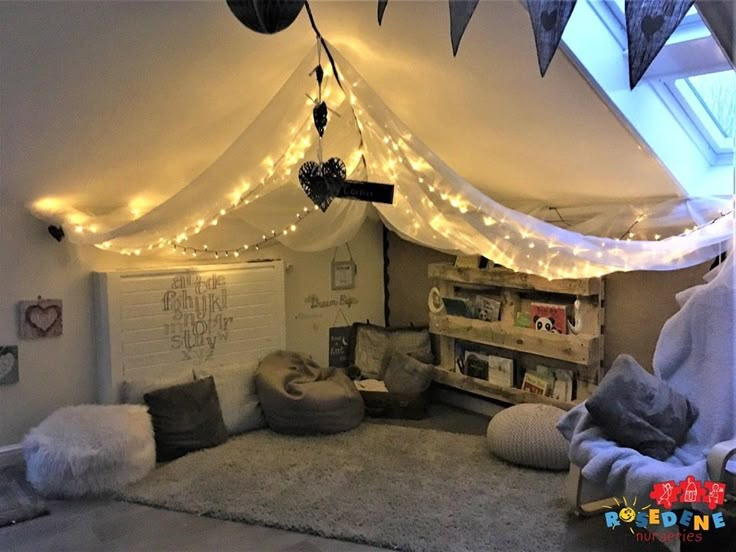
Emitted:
<point x="407" y="375"/>
<point x="236" y="390"/>
<point x="640" y="411"/>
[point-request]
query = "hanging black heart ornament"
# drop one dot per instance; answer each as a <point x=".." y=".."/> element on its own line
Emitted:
<point x="314" y="184"/>
<point x="319" y="113"/>
<point x="334" y="173"/>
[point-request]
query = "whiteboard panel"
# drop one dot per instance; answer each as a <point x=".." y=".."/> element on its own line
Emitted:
<point x="170" y="321"/>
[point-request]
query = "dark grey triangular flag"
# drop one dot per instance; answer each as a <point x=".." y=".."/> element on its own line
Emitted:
<point x="549" y="18"/>
<point x="381" y="8"/>
<point x="720" y="16"/>
<point x="649" y="23"/>
<point x="460" y="13"/>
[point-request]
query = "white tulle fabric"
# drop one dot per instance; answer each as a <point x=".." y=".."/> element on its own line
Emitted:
<point x="255" y="183"/>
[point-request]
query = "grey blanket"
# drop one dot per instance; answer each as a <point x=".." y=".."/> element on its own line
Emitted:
<point x="695" y="355"/>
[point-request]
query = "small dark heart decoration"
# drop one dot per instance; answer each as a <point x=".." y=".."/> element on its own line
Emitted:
<point x="549" y="19"/>
<point x="57" y="232"/>
<point x="322" y="182"/>
<point x="651" y="24"/>
<point x="319" y="74"/>
<point x="319" y="113"/>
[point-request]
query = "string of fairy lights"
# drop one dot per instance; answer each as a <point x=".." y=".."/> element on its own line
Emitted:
<point x="398" y="155"/>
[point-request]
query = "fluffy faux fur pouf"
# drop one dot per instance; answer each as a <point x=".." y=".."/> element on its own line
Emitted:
<point x="89" y="450"/>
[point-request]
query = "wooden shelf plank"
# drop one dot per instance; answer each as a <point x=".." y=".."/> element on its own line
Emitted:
<point x="578" y="349"/>
<point x="504" y="394"/>
<point x="503" y="277"/>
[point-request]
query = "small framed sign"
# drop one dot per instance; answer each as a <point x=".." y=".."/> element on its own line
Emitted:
<point x="8" y="364"/>
<point x="339" y="348"/>
<point x="40" y="318"/>
<point x="343" y="274"/>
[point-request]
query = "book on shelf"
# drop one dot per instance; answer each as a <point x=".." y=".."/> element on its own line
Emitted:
<point x="486" y="308"/>
<point x="500" y="371"/>
<point x="549" y="317"/>
<point x="534" y="384"/>
<point x="476" y="365"/>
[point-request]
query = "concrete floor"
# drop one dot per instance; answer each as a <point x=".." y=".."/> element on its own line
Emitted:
<point x="107" y="525"/>
<point x="91" y="525"/>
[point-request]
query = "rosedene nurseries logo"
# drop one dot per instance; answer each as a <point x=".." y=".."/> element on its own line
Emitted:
<point x="707" y="495"/>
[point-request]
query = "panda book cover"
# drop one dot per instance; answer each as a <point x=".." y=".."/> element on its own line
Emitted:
<point x="549" y="317"/>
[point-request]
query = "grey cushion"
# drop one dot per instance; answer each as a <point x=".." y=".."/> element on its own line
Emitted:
<point x="372" y="347"/>
<point x="640" y="411"/>
<point x="407" y="375"/>
<point x="299" y="396"/>
<point x="236" y="389"/>
<point x="185" y="418"/>
<point x="525" y="434"/>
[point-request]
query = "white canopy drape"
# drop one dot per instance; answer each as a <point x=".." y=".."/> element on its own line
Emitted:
<point x="255" y="181"/>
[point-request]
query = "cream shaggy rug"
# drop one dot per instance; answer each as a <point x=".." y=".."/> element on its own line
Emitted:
<point x="397" y="487"/>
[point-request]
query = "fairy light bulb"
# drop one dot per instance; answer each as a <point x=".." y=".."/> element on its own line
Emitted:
<point x="285" y="232"/>
<point x="223" y="212"/>
<point x="245" y="247"/>
<point x="293" y="227"/>
<point x="205" y="247"/>
<point x="217" y="254"/>
<point x="236" y="254"/>
<point x="214" y="222"/>
<point x="79" y="229"/>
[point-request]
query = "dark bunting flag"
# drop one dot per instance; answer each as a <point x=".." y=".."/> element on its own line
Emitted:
<point x="460" y="13"/>
<point x="549" y="19"/>
<point x="649" y="23"/>
<point x="720" y="16"/>
<point x="381" y="8"/>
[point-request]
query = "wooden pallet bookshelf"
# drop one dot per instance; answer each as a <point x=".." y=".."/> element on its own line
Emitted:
<point x="582" y="353"/>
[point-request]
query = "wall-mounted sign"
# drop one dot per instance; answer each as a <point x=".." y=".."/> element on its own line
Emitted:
<point x="40" y="318"/>
<point x="8" y="364"/>
<point x="343" y="274"/>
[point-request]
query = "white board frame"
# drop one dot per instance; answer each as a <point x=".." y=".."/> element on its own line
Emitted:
<point x="108" y="314"/>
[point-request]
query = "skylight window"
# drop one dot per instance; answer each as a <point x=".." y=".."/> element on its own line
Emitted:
<point x="717" y="94"/>
<point x="683" y="109"/>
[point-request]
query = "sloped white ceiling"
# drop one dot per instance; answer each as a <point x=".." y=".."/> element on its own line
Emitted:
<point x="107" y="103"/>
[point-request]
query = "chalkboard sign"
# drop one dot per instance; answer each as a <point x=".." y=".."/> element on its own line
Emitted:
<point x="339" y="346"/>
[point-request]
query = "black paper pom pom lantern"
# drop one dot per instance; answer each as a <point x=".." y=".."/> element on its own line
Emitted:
<point x="266" y="16"/>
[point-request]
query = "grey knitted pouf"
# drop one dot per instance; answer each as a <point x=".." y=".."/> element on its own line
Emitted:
<point x="525" y="434"/>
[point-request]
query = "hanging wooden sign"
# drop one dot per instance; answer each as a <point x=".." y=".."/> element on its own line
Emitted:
<point x="549" y="19"/>
<point x="323" y="182"/>
<point x="649" y="23"/>
<point x="366" y="191"/>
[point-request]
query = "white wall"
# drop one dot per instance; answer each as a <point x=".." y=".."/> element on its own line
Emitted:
<point x="61" y="371"/>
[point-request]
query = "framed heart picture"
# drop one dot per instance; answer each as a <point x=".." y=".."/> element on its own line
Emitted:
<point x="40" y="318"/>
<point x="8" y="364"/>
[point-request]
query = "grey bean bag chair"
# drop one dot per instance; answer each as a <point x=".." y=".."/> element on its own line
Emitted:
<point x="299" y="396"/>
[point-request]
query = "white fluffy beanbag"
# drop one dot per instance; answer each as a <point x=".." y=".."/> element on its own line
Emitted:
<point x="89" y="449"/>
<point x="525" y="434"/>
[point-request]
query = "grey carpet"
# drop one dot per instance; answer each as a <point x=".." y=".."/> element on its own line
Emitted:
<point x="397" y="487"/>
<point x="444" y="418"/>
